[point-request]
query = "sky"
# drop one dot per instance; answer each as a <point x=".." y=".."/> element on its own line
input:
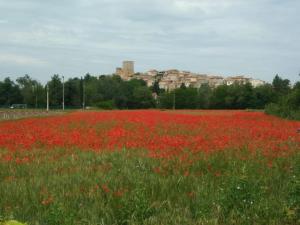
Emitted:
<point x="256" y="38"/>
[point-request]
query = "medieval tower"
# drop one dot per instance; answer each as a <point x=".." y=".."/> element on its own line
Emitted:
<point x="126" y="71"/>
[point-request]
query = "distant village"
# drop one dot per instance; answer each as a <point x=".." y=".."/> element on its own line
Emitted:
<point x="172" y="79"/>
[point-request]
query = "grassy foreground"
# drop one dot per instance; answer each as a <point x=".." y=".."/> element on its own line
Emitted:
<point x="78" y="187"/>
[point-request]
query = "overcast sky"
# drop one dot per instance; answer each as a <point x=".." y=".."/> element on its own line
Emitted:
<point x="257" y="38"/>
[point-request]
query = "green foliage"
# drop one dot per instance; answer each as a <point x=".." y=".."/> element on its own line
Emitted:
<point x="32" y="91"/>
<point x="56" y="214"/>
<point x="128" y="188"/>
<point x="104" y="90"/>
<point x="273" y="108"/>
<point x="236" y="96"/>
<point x="281" y="86"/>
<point x="109" y="104"/>
<point x="293" y="210"/>
<point x="166" y="100"/>
<point x="240" y="197"/>
<point x="186" y="98"/>
<point x="155" y="88"/>
<point x="204" y="97"/>
<point x="142" y="98"/>
<point x="73" y="94"/>
<point x="9" y="93"/>
<point x="288" y="105"/>
<point x="55" y="91"/>
<point x="263" y="95"/>
<point x="182" y="98"/>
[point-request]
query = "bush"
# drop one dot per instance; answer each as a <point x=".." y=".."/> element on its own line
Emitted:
<point x="288" y="105"/>
<point x="273" y="109"/>
<point x="109" y="104"/>
<point x="295" y="114"/>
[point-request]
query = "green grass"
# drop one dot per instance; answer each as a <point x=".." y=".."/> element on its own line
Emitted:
<point x="77" y="187"/>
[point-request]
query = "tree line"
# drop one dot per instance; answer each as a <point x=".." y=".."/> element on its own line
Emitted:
<point x="111" y="92"/>
<point x="108" y="92"/>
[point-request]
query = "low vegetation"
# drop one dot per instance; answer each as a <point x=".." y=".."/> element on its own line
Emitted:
<point x="288" y="105"/>
<point x="150" y="167"/>
<point x="74" y="187"/>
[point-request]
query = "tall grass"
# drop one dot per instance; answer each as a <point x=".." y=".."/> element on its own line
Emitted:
<point x="66" y="186"/>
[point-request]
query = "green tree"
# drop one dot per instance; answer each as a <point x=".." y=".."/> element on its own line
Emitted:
<point x="263" y="95"/>
<point x="288" y="105"/>
<point x="72" y="93"/>
<point x="155" y="88"/>
<point x="134" y="92"/>
<point x="142" y="96"/>
<point x="281" y="86"/>
<point x="244" y="96"/>
<point x="220" y="98"/>
<point x="204" y="93"/>
<point x="32" y="91"/>
<point x="92" y="95"/>
<point x="166" y="100"/>
<point x="185" y="98"/>
<point x="55" y="91"/>
<point x="9" y="93"/>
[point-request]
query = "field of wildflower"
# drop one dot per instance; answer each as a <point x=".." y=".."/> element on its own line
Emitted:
<point x="150" y="167"/>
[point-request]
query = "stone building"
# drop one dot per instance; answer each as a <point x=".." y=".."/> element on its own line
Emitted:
<point x="127" y="71"/>
<point x="237" y="80"/>
<point x="243" y="80"/>
<point x="256" y="82"/>
<point x="173" y="78"/>
<point x="152" y="73"/>
<point x="128" y="68"/>
<point x="215" y="81"/>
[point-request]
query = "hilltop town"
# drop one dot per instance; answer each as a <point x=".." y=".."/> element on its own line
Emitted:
<point x="172" y="79"/>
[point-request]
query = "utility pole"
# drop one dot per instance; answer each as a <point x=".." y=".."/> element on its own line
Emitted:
<point x="47" y="98"/>
<point x="63" y="101"/>
<point x="83" y="96"/>
<point x="36" y="97"/>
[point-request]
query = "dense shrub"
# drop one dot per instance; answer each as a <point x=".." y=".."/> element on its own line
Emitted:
<point x="109" y="104"/>
<point x="288" y="105"/>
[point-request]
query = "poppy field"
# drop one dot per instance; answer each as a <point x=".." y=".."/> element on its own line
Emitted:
<point x="150" y="167"/>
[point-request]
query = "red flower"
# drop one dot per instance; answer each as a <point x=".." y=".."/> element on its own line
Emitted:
<point x="163" y="135"/>
<point x="105" y="188"/>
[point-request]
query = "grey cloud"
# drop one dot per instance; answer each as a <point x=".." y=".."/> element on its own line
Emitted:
<point x="258" y="38"/>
